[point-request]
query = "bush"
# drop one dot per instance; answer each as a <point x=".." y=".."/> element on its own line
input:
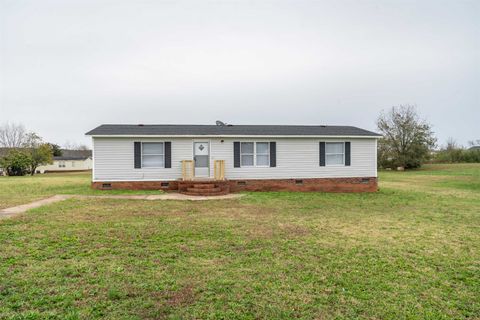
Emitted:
<point x="16" y="163"/>
<point x="457" y="156"/>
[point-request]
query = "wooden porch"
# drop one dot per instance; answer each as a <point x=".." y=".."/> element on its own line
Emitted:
<point x="188" y="171"/>
<point x="203" y="186"/>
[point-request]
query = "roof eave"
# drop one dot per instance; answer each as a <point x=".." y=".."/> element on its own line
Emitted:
<point x="228" y="136"/>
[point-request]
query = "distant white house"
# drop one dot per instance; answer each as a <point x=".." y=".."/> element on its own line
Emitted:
<point x="70" y="160"/>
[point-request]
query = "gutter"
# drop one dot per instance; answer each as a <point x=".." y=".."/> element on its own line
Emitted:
<point x="227" y="136"/>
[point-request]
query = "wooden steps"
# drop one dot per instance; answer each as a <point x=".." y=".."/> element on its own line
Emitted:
<point x="204" y="188"/>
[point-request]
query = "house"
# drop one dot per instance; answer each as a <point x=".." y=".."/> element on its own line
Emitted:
<point x="70" y="160"/>
<point x="223" y="158"/>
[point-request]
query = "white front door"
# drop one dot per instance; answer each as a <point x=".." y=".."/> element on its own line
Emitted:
<point x="201" y="156"/>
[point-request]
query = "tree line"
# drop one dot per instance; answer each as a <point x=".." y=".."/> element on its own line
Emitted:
<point x="22" y="152"/>
<point x="408" y="141"/>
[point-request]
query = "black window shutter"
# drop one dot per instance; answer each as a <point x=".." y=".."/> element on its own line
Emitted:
<point x="322" y="154"/>
<point x="137" y="158"/>
<point x="236" y="154"/>
<point x="273" y="154"/>
<point x="347" y="153"/>
<point x="168" y="154"/>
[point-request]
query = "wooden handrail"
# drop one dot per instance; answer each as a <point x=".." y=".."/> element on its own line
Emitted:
<point x="219" y="169"/>
<point x="188" y="169"/>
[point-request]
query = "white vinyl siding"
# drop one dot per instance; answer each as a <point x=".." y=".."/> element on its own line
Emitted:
<point x="74" y="165"/>
<point x="296" y="158"/>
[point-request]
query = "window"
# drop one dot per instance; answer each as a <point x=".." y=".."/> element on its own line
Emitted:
<point x="255" y="154"/>
<point x="263" y="154"/>
<point x="334" y="153"/>
<point x="73" y="164"/>
<point x="246" y="154"/>
<point x="153" y="155"/>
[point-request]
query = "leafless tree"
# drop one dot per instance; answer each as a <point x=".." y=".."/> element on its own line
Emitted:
<point x="452" y="144"/>
<point x="12" y="135"/>
<point x="83" y="147"/>
<point x="473" y="143"/>
<point x="74" y="146"/>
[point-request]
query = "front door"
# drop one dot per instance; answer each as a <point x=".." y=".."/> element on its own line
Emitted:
<point x="201" y="156"/>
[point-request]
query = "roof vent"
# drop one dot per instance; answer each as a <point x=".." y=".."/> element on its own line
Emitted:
<point x="141" y="125"/>
<point x="323" y="126"/>
<point x="220" y="123"/>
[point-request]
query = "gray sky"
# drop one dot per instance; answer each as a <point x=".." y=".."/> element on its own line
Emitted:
<point x="68" y="66"/>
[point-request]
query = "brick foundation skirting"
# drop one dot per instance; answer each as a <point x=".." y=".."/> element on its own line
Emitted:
<point x="135" y="185"/>
<point x="305" y="185"/>
<point x="368" y="184"/>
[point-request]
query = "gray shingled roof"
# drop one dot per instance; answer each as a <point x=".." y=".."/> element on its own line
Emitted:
<point x="74" y="155"/>
<point x="67" y="154"/>
<point x="227" y="130"/>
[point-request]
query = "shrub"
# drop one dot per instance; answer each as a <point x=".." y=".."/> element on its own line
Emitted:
<point x="16" y="163"/>
<point x="457" y="156"/>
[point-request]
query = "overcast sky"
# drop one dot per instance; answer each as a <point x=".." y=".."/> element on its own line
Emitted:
<point x="68" y="66"/>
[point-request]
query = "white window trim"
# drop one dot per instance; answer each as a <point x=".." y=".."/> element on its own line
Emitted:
<point x="254" y="154"/>
<point x="158" y="154"/>
<point x="343" y="154"/>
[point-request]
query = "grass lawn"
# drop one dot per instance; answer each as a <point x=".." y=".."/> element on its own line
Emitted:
<point x="410" y="251"/>
<point x="20" y="190"/>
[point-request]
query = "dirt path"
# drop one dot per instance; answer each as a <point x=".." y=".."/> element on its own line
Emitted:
<point x="12" y="211"/>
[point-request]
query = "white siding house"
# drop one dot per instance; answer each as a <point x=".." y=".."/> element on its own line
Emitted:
<point x="70" y="160"/>
<point x="296" y="158"/>
<point x="159" y="153"/>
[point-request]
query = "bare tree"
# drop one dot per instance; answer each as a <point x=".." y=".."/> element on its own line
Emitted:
<point x="452" y="144"/>
<point x="82" y="147"/>
<point x="74" y="146"/>
<point x="474" y="143"/>
<point x="12" y="135"/>
<point x="69" y="145"/>
<point x="407" y="139"/>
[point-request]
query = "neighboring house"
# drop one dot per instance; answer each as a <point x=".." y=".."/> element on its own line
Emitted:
<point x="70" y="160"/>
<point x="234" y="157"/>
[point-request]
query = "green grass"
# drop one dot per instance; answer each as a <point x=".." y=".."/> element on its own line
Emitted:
<point x="462" y="180"/>
<point x="410" y="251"/>
<point x="20" y="190"/>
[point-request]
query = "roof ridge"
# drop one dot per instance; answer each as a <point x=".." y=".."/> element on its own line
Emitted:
<point x="229" y="130"/>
